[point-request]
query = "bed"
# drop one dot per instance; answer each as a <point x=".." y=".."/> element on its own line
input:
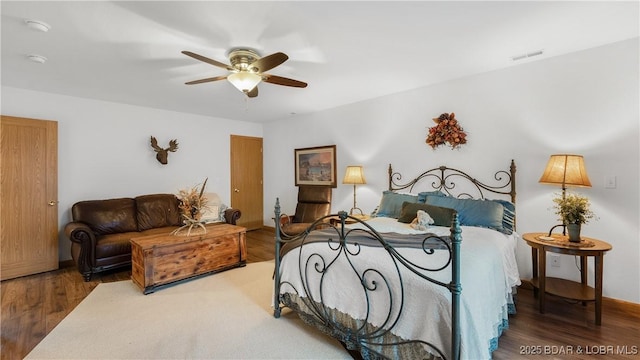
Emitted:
<point x="395" y="287"/>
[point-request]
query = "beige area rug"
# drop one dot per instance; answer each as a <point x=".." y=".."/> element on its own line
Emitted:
<point x="221" y="316"/>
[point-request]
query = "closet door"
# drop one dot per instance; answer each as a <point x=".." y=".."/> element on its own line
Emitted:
<point x="28" y="196"/>
<point x="246" y="180"/>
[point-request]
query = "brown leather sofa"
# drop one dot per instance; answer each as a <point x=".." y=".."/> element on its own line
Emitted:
<point x="101" y="230"/>
<point x="314" y="202"/>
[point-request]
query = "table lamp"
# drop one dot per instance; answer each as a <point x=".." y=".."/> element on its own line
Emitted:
<point x="565" y="170"/>
<point x="354" y="175"/>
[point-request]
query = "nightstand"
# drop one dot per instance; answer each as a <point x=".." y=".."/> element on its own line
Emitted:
<point x="565" y="288"/>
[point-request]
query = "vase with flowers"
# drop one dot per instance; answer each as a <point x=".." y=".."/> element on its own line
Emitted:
<point x="573" y="210"/>
<point x="192" y="203"/>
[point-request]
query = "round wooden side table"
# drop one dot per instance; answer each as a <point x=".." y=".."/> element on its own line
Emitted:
<point x="540" y="243"/>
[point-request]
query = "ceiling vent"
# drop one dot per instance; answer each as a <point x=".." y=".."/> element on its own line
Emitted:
<point x="527" y="55"/>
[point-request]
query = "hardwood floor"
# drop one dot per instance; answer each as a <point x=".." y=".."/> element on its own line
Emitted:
<point x="32" y="306"/>
<point x="567" y="330"/>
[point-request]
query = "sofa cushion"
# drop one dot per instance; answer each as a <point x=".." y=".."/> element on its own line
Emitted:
<point x="107" y="216"/>
<point x="117" y="244"/>
<point x="157" y="210"/>
<point x="114" y="244"/>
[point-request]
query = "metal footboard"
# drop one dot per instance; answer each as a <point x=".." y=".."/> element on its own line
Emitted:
<point x="377" y="285"/>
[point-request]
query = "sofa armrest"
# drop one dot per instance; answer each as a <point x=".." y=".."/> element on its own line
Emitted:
<point x="232" y="215"/>
<point x="81" y="234"/>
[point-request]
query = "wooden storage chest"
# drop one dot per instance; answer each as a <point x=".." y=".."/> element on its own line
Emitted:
<point x="161" y="260"/>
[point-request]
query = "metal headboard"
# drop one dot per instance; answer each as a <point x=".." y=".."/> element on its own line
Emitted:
<point x="444" y="179"/>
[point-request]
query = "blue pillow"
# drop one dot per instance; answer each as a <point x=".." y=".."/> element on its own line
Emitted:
<point x="391" y="203"/>
<point x="509" y="217"/>
<point x="472" y="212"/>
<point x="422" y="196"/>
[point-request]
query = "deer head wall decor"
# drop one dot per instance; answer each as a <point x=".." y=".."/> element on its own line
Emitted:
<point x="162" y="154"/>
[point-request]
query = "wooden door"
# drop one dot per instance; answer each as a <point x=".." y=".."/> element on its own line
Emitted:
<point x="28" y="196"/>
<point x="246" y="180"/>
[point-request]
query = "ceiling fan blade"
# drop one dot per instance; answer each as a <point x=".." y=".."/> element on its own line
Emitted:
<point x="279" y="80"/>
<point x="253" y="93"/>
<point x="206" y="80"/>
<point x="207" y="60"/>
<point x="268" y="62"/>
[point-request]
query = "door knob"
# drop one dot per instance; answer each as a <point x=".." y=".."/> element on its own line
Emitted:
<point x="236" y="190"/>
<point x="52" y="203"/>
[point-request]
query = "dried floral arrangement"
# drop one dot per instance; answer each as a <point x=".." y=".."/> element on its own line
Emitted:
<point x="447" y="131"/>
<point x="573" y="209"/>
<point x="192" y="204"/>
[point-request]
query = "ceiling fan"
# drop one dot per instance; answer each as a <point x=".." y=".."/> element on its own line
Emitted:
<point x="248" y="70"/>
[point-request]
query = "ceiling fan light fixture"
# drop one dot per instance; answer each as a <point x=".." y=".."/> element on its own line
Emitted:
<point x="247" y="70"/>
<point x="244" y="81"/>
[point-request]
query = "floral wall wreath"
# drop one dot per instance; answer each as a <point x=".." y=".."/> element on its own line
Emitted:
<point x="447" y="131"/>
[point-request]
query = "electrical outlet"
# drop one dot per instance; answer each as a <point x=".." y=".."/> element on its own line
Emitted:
<point x="610" y="182"/>
<point x="555" y="260"/>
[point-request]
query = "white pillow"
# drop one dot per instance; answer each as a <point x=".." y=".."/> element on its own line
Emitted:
<point x="211" y="213"/>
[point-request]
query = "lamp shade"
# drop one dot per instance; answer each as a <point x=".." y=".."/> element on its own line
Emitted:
<point x="565" y="170"/>
<point x="244" y="81"/>
<point x="354" y="175"/>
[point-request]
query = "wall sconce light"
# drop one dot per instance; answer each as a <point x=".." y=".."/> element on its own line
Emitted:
<point x="354" y="175"/>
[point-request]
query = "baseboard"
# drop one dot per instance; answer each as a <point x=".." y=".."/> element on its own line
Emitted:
<point x="622" y="305"/>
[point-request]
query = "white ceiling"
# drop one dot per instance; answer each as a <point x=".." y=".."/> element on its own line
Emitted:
<point x="130" y="52"/>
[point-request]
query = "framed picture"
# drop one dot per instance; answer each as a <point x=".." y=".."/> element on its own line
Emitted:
<point x="316" y="166"/>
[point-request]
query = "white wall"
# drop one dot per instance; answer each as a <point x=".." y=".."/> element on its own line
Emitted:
<point x="104" y="149"/>
<point x="585" y="103"/>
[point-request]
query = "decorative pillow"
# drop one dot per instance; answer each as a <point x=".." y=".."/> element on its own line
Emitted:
<point x="472" y="212"/>
<point x="391" y="203"/>
<point x="441" y="216"/>
<point x="211" y="214"/>
<point x="422" y="196"/>
<point x="509" y="217"/>
<point x="214" y="211"/>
